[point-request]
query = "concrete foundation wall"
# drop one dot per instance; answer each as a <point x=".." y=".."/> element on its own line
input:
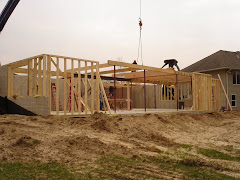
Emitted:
<point x="3" y="81"/>
<point x="37" y="105"/>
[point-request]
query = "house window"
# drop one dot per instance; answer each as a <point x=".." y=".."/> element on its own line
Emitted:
<point x="233" y="100"/>
<point x="236" y="77"/>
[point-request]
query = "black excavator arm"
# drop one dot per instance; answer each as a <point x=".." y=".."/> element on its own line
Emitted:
<point x="7" y="11"/>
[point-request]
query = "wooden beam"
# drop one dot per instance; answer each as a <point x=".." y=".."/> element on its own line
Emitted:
<point x="35" y="77"/>
<point x="65" y="87"/>
<point x="57" y="87"/>
<point x="44" y="75"/>
<point x="72" y="87"/>
<point x="97" y="88"/>
<point x="117" y="71"/>
<point x="39" y="76"/>
<point x="10" y="81"/>
<point x="224" y="92"/>
<point x="128" y="96"/>
<point x="86" y="87"/>
<point x="30" y="77"/>
<point x="79" y="88"/>
<point x="92" y="88"/>
<point x="148" y="68"/>
<point x="49" y="83"/>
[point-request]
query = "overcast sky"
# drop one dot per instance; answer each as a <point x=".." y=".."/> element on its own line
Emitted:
<point x="186" y="30"/>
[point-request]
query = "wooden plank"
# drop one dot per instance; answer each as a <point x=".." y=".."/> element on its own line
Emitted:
<point x="39" y="76"/>
<point x="35" y="77"/>
<point x="79" y="88"/>
<point x="86" y="87"/>
<point x="105" y="96"/>
<point x="23" y="62"/>
<point x="72" y="87"/>
<point x="60" y="72"/>
<point x="57" y="88"/>
<point x="44" y="75"/>
<point x="65" y="87"/>
<point x="10" y="74"/>
<point x="30" y="74"/>
<point x="224" y="92"/>
<point x="49" y="83"/>
<point x="128" y="96"/>
<point x="97" y="88"/>
<point x="167" y="92"/>
<point x="92" y="88"/>
<point x="117" y="71"/>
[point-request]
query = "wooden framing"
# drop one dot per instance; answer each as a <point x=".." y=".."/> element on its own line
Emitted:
<point x="79" y="82"/>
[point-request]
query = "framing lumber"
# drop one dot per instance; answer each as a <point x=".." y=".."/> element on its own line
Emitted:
<point x="79" y="88"/>
<point x="23" y="82"/>
<point x="35" y="77"/>
<point x="57" y="87"/>
<point x="86" y="87"/>
<point x="92" y="88"/>
<point x="90" y="67"/>
<point x="224" y="92"/>
<point x="30" y="79"/>
<point x="39" y="76"/>
<point x="97" y="88"/>
<point x="65" y="88"/>
<point x="49" y="82"/>
<point x="72" y="87"/>
<point x="44" y="75"/>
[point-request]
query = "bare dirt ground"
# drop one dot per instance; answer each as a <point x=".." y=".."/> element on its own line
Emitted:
<point x="78" y="141"/>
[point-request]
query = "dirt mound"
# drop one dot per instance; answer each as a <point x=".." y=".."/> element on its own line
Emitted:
<point x="75" y="140"/>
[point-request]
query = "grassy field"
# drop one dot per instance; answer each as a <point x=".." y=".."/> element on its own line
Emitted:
<point x="179" y="164"/>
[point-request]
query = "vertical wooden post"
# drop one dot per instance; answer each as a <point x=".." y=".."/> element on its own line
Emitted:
<point x="97" y="88"/>
<point x="86" y="88"/>
<point x="131" y="98"/>
<point x="79" y="88"/>
<point x="167" y="86"/>
<point x="177" y="90"/>
<point x="72" y="87"/>
<point x="57" y="87"/>
<point x="145" y="100"/>
<point x="224" y="92"/>
<point x="115" y="90"/>
<point x="92" y="88"/>
<point x="65" y="87"/>
<point x="49" y="83"/>
<point x="35" y="77"/>
<point x="10" y="81"/>
<point x="30" y="74"/>
<point x="44" y="75"/>
<point x="155" y="99"/>
<point x="40" y="76"/>
<point x="128" y="96"/>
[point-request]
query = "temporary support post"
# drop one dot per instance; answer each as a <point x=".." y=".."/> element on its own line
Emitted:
<point x="131" y="98"/>
<point x="145" y="102"/>
<point x="155" y="96"/>
<point x="86" y="87"/>
<point x="177" y="90"/>
<point x="128" y="97"/>
<point x="35" y="77"/>
<point x="115" y="90"/>
<point x="39" y="76"/>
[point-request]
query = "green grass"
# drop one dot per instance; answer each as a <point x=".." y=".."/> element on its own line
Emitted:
<point x="116" y="167"/>
<point x="217" y="154"/>
<point x="186" y="146"/>
<point x="35" y="170"/>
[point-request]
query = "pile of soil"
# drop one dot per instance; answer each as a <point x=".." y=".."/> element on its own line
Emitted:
<point x="78" y="140"/>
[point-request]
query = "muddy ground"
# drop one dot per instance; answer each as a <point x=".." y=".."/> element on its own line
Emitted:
<point x="79" y="141"/>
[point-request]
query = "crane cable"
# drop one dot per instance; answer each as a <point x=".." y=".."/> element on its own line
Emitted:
<point x="140" y="36"/>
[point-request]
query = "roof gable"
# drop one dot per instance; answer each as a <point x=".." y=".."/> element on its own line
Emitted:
<point x="220" y="59"/>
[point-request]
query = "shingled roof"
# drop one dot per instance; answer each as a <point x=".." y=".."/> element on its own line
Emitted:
<point x="219" y="60"/>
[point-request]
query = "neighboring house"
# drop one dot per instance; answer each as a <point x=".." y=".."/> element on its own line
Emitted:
<point x="227" y="65"/>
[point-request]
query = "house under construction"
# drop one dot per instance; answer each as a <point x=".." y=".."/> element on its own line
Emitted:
<point x="58" y="85"/>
